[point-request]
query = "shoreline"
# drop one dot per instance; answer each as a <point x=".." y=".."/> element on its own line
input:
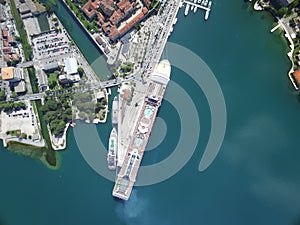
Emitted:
<point x="89" y="35"/>
<point x="287" y="36"/>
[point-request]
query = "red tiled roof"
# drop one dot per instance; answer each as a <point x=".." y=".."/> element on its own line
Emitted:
<point x="128" y="7"/>
<point x="121" y="4"/>
<point x="15" y="57"/>
<point x="296" y="76"/>
<point x="5" y="33"/>
<point x="114" y="33"/>
<point x="147" y="2"/>
<point x="6" y="57"/>
<point x="132" y="22"/>
<point x="106" y="27"/>
<point x="94" y="5"/>
<point x="89" y="8"/>
<point x="5" y="43"/>
<point x="116" y="17"/>
<point x="144" y="10"/>
<point x="7" y="49"/>
<point x="10" y="39"/>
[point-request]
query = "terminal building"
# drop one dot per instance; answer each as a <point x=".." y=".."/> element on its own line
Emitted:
<point x="141" y="133"/>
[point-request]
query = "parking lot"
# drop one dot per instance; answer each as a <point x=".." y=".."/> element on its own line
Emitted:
<point x="23" y="120"/>
<point x="50" y="44"/>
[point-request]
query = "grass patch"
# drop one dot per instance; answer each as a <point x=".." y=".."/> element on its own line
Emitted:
<point x="50" y="153"/>
<point x="22" y="32"/>
<point x="33" y="80"/>
<point x="43" y="22"/>
<point x="26" y="150"/>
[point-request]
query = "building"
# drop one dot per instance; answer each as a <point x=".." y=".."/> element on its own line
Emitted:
<point x="90" y="9"/>
<point x="4" y="33"/>
<point x="20" y="88"/>
<point x="71" y="66"/>
<point x="100" y="95"/>
<point x="11" y="74"/>
<point x="296" y="76"/>
<point x="50" y="67"/>
<point x="147" y="3"/>
<point x="280" y="3"/>
<point x="63" y="79"/>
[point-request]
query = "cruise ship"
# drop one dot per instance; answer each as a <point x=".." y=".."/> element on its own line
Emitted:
<point x="187" y="8"/>
<point x="140" y="135"/>
<point x="112" y="150"/>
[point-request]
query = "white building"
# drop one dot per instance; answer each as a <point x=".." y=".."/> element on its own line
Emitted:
<point x="71" y="66"/>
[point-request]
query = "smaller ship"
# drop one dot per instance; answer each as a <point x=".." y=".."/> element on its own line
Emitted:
<point x="195" y="8"/>
<point x="187" y="8"/>
<point x="112" y="150"/>
<point x="206" y="15"/>
<point x="209" y="4"/>
<point x="115" y="111"/>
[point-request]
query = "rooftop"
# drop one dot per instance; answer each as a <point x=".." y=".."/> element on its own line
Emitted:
<point x="7" y="73"/>
<point x="162" y="72"/>
<point x="71" y="65"/>
<point x="20" y="88"/>
<point x="296" y="76"/>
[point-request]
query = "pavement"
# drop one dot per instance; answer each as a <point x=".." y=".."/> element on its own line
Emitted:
<point x="24" y="120"/>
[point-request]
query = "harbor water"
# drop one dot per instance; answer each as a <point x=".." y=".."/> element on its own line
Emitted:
<point x="255" y="178"/>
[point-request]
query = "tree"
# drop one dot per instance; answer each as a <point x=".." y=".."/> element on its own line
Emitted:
<point x="59" y="129"/>
<point x="80" y="71"/>
<point x="52" y="104"/>
<point x="2" y="95"/>
<point x="14" y="95"/>
<point x="282" y="11"/>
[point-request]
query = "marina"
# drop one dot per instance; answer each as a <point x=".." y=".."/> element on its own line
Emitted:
<point x="202" y="4"/>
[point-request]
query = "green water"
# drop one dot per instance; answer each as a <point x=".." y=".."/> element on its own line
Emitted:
<point x="254" y="180"/>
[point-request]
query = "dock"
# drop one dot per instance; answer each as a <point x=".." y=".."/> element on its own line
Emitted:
<point x="275" y="28"/>
<point x="197" y="5"/>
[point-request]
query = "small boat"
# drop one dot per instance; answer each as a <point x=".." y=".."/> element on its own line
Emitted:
<point x="195" y="8"/>
<point x="186" y="11"/>
<point x="205" y="2"/>
<point x="112" y="150"/>
<point x="192" y="7"/>
<point x="199" y="1"/>
<point x="209" y="4"/>
<point x="206" y="14"/>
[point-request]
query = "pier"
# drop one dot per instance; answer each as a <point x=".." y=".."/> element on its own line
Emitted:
<point x="275" y="28"/>
<point x="198" y="5"/>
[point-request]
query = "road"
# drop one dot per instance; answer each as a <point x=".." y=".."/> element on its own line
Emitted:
<point x="167" y="14"/>
<point x="83" y="88"/>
